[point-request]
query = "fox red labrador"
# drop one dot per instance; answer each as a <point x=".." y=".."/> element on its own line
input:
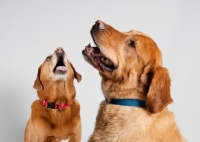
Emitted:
<point x="135" y="85"/>
<point x="55" y="115"/>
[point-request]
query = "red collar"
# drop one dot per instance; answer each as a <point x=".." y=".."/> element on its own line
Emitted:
<point x="53" y="105"/>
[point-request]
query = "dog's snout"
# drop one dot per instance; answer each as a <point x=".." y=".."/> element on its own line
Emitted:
<point x="99" y="25"/>
<point x="59" y="50"/>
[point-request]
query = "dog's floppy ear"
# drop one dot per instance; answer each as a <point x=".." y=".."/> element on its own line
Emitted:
<point x="38" y="84"/>
<point x="76" y="74"/>
<point x="158" y="96"/>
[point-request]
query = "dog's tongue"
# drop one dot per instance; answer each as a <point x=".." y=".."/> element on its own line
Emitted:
<point x="61" y="68"/>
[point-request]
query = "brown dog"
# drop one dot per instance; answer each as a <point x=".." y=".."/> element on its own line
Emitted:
<point x="56" y="115"/>
<point x="135" y="85"/>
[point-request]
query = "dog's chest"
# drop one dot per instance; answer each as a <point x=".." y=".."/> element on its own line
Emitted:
<point x="114" y="121"/>
<point x="120" y="123"/>
<point x="64" y="140"/>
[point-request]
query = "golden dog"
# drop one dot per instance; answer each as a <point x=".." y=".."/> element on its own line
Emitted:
<point x="56" y="115"/>
<point x="135" y="85"/>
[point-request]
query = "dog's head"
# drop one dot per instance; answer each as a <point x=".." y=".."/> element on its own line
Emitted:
<point x="56" y="68"/>
<point x="129" y="63"/>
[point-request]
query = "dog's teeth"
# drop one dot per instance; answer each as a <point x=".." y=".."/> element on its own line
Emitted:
<point x="90" y="50"/>
<point x="105" y="60"/>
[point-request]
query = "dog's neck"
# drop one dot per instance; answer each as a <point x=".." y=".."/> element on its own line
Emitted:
<point x="120" y="90"/>
<point x="58" y="92"/>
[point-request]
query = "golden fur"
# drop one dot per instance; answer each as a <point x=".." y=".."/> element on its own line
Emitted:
<point x="54" y="125"/>
<point x="137" y="74"/>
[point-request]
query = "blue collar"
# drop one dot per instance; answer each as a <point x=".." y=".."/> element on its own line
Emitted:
<point x="128" y="102"/>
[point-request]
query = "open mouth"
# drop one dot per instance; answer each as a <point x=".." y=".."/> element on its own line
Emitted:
<point x="94" y="56"/>
<point x="60" y="67"/>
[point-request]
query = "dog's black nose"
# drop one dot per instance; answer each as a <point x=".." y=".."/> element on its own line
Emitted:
<point x="99" y="25"/>
<point x="59" y="50"/>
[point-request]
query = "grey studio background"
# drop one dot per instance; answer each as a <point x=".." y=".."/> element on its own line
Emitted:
<point x="32" y="29"/>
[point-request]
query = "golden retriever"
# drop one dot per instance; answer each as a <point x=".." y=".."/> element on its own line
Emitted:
<point x="56" y="115"/>
<point x="135" y="85"/>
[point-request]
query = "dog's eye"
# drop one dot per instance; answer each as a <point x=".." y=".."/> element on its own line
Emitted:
<point x="48" y="58"/>
<point x="131" y="43"/>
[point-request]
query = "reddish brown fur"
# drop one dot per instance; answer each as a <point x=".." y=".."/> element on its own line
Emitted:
<point x="145" y="62"/>
<point x="54" y="125"/>
<point x="158" y="96"/>
<point x="138" y="75"/>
